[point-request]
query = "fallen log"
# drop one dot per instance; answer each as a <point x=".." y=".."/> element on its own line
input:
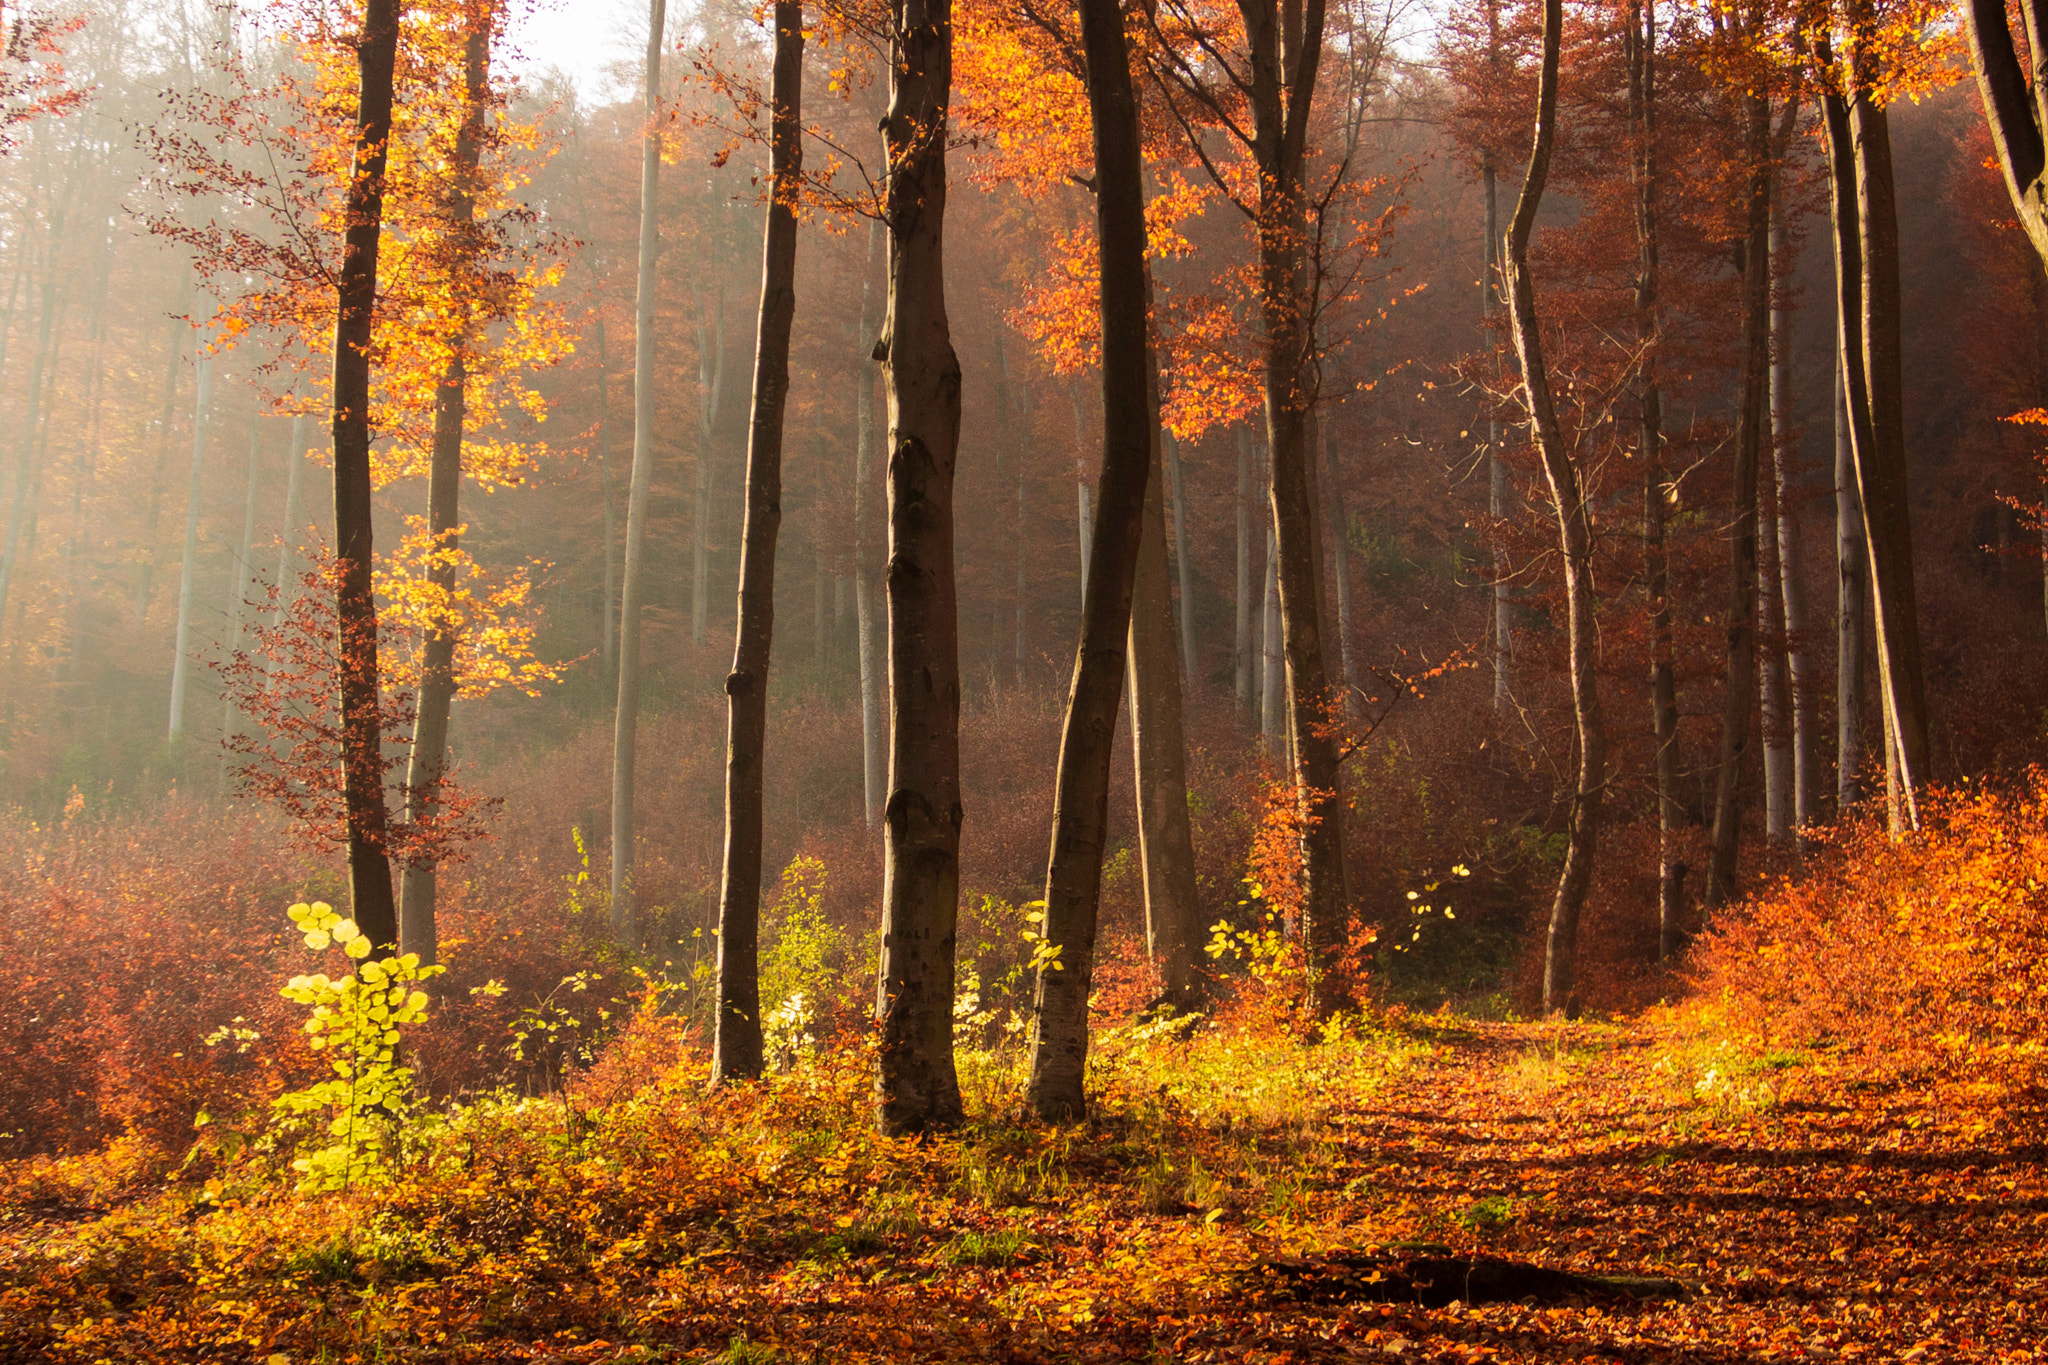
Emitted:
<point x="1436" y="1277"/>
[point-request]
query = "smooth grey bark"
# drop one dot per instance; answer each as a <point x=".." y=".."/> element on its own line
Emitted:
<point x="1792" y="573"/>
<point x="427" y="765"/>
<point x="917" y="1087"/>
<point x="710" y="402"/>
<point x="2015" y="106"/>
<point x="1273" y="660"/>
<point x="362" y="766"/>
<point x="1852" y="596"/>
<point x="1575" y="542"/>
<point x="195" y="484"/>
<point x="608" y="628"/>
<point x="1496" y="463"/>
<point x="1340" y="567"/>
<point x="736" y="1042"/>
<point x="867" y="576"/>
<point x="626" y="723"/>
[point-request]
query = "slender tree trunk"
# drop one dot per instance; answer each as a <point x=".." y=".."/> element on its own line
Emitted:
<point x="362" y="765"/>
<point x="1184" y="569"/>
<point x="736" y="1046"/>
<point x="608" y="628"/>
<point x="287" y="541"/>
<point x="1671" y="870"/>
<point x="1752" y="424"/>
<point x="1792" y="578"/>
<point x="867" y="571"/>
<point x="1785" y="803"/>
<point x="711" y="395"/>
<point x="1575" y="541"/>
<point x="1340" y="567"/>
<point x="65" y="668"/>
<point x="145" y="563"/>
<point x="187" y="565"/>
<point x="624" y="920"/>
<point x="1130" y="454"/>
<point x="237" y="603"/>
<point x="1496" y="464"/>
<point x="418" y="930"/>
<point x="1244" y="652"/>
<point x="917" y="1087"/>
<point x="26" y="472"/>
<point x="1852" y="590"/>
<point x="1272" y="658"/>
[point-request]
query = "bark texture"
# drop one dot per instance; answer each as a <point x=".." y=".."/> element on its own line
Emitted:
<point x="736" y="1043"/>
<point x="916" y="1086"/>
<point x="362" y="776"/>
<point x="867" y="577"/>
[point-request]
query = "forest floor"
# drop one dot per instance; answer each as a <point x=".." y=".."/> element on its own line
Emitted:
<point x="1233" y="1201"/>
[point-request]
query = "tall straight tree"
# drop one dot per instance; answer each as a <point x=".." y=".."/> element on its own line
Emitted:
<point x="626" y="724"/>
<point x="867" y="576"/>
<point x="736" y="1045"/>
<point x="2015" y="106"/>
<point x="427" y="762"/>
<point x="916" y="1085"/>
<point x="1575" y="540"/>
<point x="362" y="763"/>
<point x="181" y="666"/>
<point x="1738" y="697"/>
<point x="1073" y="882"/>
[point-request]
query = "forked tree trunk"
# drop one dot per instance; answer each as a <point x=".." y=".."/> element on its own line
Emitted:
<point x="427" y="764"/>
<point x="867" y="569"/>
<point x="1752" y="426"/>
<point x="624" y="921"/>
<point x="917" y="1087"/>
<point x="736" y="1045"/>
<point x="362" y="765"/>
<point x="1641" y="53"/>
<point x="188" y="565"/>
<point x="1575" y="541"/>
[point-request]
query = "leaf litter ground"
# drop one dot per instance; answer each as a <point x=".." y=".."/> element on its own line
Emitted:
<point x="1651" y="1198"/>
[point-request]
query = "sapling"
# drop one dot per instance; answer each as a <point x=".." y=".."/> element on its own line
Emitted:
<point x="357" y="1020"/>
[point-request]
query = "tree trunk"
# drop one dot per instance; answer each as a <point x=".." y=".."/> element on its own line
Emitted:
<point x="736" y="1045"/>
<point x="376" y="913"/>
<point x="1130" y="453"/>
<point x="917" y="1087"/>
<point x="187" y="565"/>
<point x="237" y="603"/>
<point x="1852" y="568"/>
<point x="145" y="564"/>
<point x="1245" y="651"/>
<point x="867" y="576"/>
<point x="710" y="400"/>
<point x="1496" y="464"/>
<point x="1792" y="575"/>
<point x="427" y="765"/>
<point x="1575" y="541"/>
<point x="624" y="921"/>
<point x="1166" y="845"/>
<point x="1752" y="424"/>
<point x="287" y="541"/>
<point x="1272" y="658"/>
<point x="1184" y="569"/>
<point x="1340" y="568"/>
<point x="1881" y="478"/>
<point x="608" y="628"/>
<point x="26" y="472"/>
<point x="1642" y="62"/>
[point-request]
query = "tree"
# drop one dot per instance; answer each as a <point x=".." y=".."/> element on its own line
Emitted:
<point x="736" y="1046"/>
<point x="627" y="713"/>
<point x="1059" y="1039"/>
<point x="2015" y="107"/>
<point x="1575" y="539"/>
<point x="370" y="898"/>
<point x="916" y="1087"/>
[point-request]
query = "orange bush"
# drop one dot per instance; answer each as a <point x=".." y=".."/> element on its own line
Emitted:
<point x="1925" y="953"/>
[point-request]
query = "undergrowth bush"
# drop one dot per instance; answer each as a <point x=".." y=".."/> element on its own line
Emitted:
<point x="1921" y="953"/>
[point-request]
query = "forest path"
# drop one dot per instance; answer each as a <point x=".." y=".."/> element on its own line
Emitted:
<point x="1814" y="1216"/>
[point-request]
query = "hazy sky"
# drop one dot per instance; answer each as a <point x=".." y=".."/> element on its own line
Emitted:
<point x="581" y="37"/>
